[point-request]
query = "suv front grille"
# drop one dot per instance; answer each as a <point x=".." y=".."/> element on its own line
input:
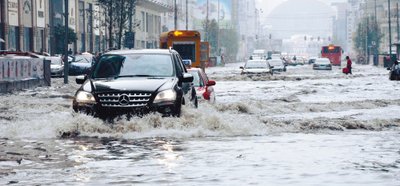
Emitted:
<point x="125" y="100"/>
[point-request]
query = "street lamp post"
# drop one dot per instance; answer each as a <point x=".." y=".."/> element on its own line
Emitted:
<point x="66" y="64"/>
<point x="390" y="31"/>
<point x="175" y="15"/>
<point x="187" y="15"/>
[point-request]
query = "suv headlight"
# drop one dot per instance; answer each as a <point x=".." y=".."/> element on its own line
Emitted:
<point x="166" y="95"/>
<point x="85" y="97"/>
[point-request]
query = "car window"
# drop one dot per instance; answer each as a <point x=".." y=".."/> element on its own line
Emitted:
<point x="322" y="61"/>
<point x="147" y="65"/>
<point x="256" y="64"/>
<point x="179" y="65"/>
<point x="197" y="79"/>
<point x="79" y="59"/>
<point x="275" y="62"/>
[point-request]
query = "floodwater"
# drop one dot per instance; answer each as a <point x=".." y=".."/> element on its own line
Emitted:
<point x="301" y="127"/>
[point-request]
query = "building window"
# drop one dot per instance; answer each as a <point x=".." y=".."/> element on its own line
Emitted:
<point x="143" y="21"/>
<point x="27" y="39"/>
<point x="13" y="38"/>
<point x="97" y="43"/>
<point x="39" y="40"/>
<point x="83" y="43"/>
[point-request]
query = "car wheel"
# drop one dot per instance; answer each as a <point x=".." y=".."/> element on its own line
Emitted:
<point x="177" y="111"/>
<point x="194" y="99"/>
<point x="196" y="103"/>
<point x="392" y="77"/>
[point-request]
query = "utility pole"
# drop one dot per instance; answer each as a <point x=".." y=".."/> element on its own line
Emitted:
<point x="390" y="31"/>
<point x="66" y="64"/>
<point x="218" y="47"/>
<point x="376" y="38"/>
<point x="131" y="37"/>
<point x="187" y="15"/>
<point x="397" y="22"/>
<point x="376" y="19"/>
<point x="176" y="15"/>
<point x="366" y="31"/>
<point x="207" y="21"/>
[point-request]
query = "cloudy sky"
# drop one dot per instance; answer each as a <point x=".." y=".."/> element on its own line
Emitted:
<point x="268" y="5"/>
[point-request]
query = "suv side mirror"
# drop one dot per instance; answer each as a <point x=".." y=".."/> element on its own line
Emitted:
<point x="187" y="78"/>
<point x="388" y="68"/>
<point x="241" y="68"/>
<point x="80" y="79"/>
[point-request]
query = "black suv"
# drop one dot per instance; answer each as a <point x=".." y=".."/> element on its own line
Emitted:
<point x="135" y="82"/>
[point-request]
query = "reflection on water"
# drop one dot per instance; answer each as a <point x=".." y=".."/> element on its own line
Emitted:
<point x="329" y="159"/>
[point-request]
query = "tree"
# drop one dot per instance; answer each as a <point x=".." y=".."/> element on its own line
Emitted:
<point x="117" y="17"/>
<point x="211" y="30"/>
<point x="59" y="32"/>
<point x="368" y="29"/>
<point x="230" y="41"/>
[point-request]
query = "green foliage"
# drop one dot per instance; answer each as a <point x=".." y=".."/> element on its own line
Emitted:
<point x="59" y="35"/>
<point x="230" y="42"/>
<point x="228" y="39"/>
<point x="212" y="35"/>
<point x="368" y="28"/>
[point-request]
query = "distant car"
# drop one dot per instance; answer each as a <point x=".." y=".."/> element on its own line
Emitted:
<point x="322" y="64"/>
<point x="276" y="56"/>
<point x="80" y="64"/>
<point x="135" y="82"/>
<point x="56" y="66"/>
<point x="187" y="62"/>
<point x="312" y="60"/>
<point x="394" y="72"/>
<point x="256" y="67"/>
<point x="277" y="65"/>
<point x="204" y="86"/>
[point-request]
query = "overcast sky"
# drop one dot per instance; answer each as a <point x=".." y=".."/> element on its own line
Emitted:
<point x="268" y="5"/>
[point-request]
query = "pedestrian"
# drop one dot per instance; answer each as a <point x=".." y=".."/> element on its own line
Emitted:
<point x="70" y="52"/>
<point x="349" y="63"/>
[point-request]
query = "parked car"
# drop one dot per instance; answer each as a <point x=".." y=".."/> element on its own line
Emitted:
<point x="56" y="66"/>
<point x="80" y="64"/>
<point x="312" y="60"/>
<point x="322" y="64"/>
<point x="394" y="71"/>
<point x="205" y="89"/>
<point x="135" y="82"/>
<point x="256" y="67"/>
<point x="277" y="65"/>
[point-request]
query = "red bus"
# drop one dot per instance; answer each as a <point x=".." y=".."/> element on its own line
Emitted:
<point x="333" y="53"/>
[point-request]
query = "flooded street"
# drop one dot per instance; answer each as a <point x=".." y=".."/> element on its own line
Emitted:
<point x="300" y="127"/>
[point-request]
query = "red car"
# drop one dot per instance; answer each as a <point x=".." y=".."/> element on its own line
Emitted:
<point x="204" y="86"/>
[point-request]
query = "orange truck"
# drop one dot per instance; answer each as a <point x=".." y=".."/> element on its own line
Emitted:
<point x="188" y="44"/>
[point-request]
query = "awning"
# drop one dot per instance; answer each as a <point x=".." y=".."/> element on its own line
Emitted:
<point x="155" y="5"/>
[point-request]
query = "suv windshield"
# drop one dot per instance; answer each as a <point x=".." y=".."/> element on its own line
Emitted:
<point x="131" y="65"/>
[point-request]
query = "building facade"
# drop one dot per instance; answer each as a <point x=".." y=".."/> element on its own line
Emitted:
<point x="24" y="25"/>
<point x="29" y="25"/>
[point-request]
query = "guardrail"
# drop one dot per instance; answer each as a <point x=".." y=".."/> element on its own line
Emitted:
<point x="23" y="73"/>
